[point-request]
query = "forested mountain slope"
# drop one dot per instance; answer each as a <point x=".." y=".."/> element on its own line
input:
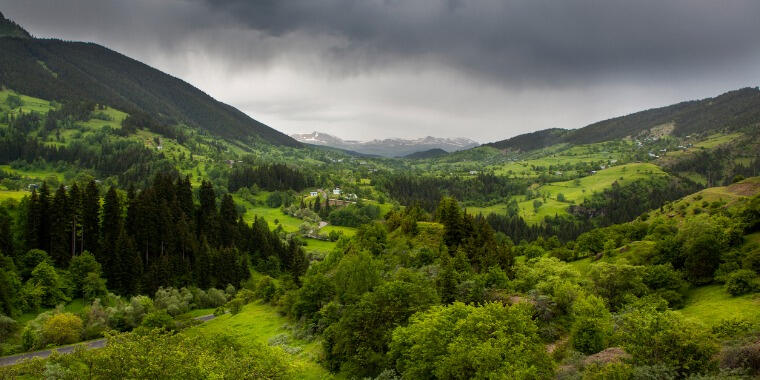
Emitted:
<point x="76" y="71"/>
<point x="729" y="111"/>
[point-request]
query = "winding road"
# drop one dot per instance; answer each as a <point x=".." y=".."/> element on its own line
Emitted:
<point x="90" y="345"/>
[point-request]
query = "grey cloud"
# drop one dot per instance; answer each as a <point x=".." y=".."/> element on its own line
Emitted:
<point x="521" y="40"/>
<point x="368" y="69"/>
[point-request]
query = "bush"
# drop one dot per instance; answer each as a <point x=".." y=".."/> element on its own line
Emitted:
<point x="728" y="328"/>
<point x="216" y="297"/>
<point x="266" y="289"/>
<point x="592" y="328"/>
<point x="93" y="286"/>
<point x="654" y="337"/>
<point x="742" y="281"/>
<point x="236" y="305"/>
<point x="7" y="327"/>
<point x="159" y="319"/>
<point x="742" y="357"/>
<point x="63" y="328"/>
<point x="174" y="301"/>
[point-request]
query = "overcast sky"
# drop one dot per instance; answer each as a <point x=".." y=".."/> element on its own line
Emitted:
<point x="368" y="69"/>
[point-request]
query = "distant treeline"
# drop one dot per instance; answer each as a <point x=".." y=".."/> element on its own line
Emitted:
<point x="427" y="191"/>
<point x="270" y="177"/>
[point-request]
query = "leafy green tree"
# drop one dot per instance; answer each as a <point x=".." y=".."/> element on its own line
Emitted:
<point x="62" y="328"/>
<point x="79" y="267"/>
<point x="357" y="343"/>
<point x="355" y="274"/>
<point x="742" y="281"/>
<point x="93" y="286"/>
<point x="46" y="279"/>
<point x="655" y="337"/>
<point x="616" y="282"/>
<point x="592" y="325"/>
<point x="702" y="244"/>
<point x="461" y="341"/>
<point x="10" y="288"/>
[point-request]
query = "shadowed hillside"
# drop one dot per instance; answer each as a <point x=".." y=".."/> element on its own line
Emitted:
<point x="74" y="71"/>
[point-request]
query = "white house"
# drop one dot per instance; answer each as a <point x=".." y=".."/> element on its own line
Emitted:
<point x="313" y="193"/>
<point x="336" y="191"/>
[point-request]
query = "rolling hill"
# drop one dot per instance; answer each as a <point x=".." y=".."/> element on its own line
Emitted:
<point x="77" y="71"/>
<point x="730" y="111"/>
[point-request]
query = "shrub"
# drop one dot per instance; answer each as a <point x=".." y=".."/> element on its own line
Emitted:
<point x="728" y="328"/>
<point x="742" y="357"/>
<point x="742" y="281"/>
<point x="236" y="305"/>
<point x="159" y="319"/>
<point x="216" y="297"/>
<point x="266" y="289"/>
<point x="174" y="301"/>
<point x="592" y="328"/>
<point x="655" y="337"/>
<point x="7" y="327"/>
<point x="63" y="328"/>
<point x="93" y="286"/>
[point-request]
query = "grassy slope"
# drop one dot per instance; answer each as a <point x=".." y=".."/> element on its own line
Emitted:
<point x="712" y="304"/>
<point x="574" y="191"/>
<point x="257" y="323"/>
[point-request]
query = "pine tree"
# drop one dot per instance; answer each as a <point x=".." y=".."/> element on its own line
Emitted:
<point x="60" y="228"/>
<point x="32" y="223"/>
<point x="227" y="221"/>
<point x="6" y="237"/>
<point x="126" y="268"/>
<point x="111" y="230"/>
<point x="447" y="279"/>
<point x="207" y="214"/>
<point x="75" y="218"/>
<point x="90" y="220"/>
<point x="43" y="229"/>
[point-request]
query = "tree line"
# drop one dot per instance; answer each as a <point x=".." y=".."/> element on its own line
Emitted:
<point x="158" y="236"/>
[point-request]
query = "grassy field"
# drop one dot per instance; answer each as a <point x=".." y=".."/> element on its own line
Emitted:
<point x="711" y="304"/>
<point x="29" y="104"/>
<point x="257" y="323"/>
<point x="75" y="306"/>
<point x="314" y="245"/>
<point x="12" y="194"/>
<point x="36" y="174"/>
<point x="574" y="191"/>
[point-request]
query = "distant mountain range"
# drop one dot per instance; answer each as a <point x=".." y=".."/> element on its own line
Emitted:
<point x="394" y="147"/>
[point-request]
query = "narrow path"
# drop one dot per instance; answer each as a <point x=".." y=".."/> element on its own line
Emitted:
<point x="90" y="345"/>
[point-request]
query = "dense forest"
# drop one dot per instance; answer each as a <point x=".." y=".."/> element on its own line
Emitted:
<point x="144" y="240"/>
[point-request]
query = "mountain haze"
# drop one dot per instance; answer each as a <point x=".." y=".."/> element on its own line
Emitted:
<point x="394" y="147"/>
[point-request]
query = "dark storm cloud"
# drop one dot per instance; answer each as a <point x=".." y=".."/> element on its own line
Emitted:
<point x="484" y="69"/>
<point x="523" y="40"/>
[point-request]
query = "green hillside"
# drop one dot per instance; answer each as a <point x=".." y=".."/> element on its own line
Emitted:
<point x="729" y="111"/>
<point x="74" y="71"/>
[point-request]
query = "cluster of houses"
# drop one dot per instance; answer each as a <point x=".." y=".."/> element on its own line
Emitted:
<point x="338" y="199"/>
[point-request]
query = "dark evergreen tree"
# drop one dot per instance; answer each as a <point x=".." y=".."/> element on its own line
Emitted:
<point x="60" y="235"/>
<point x="90" y="220"/>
